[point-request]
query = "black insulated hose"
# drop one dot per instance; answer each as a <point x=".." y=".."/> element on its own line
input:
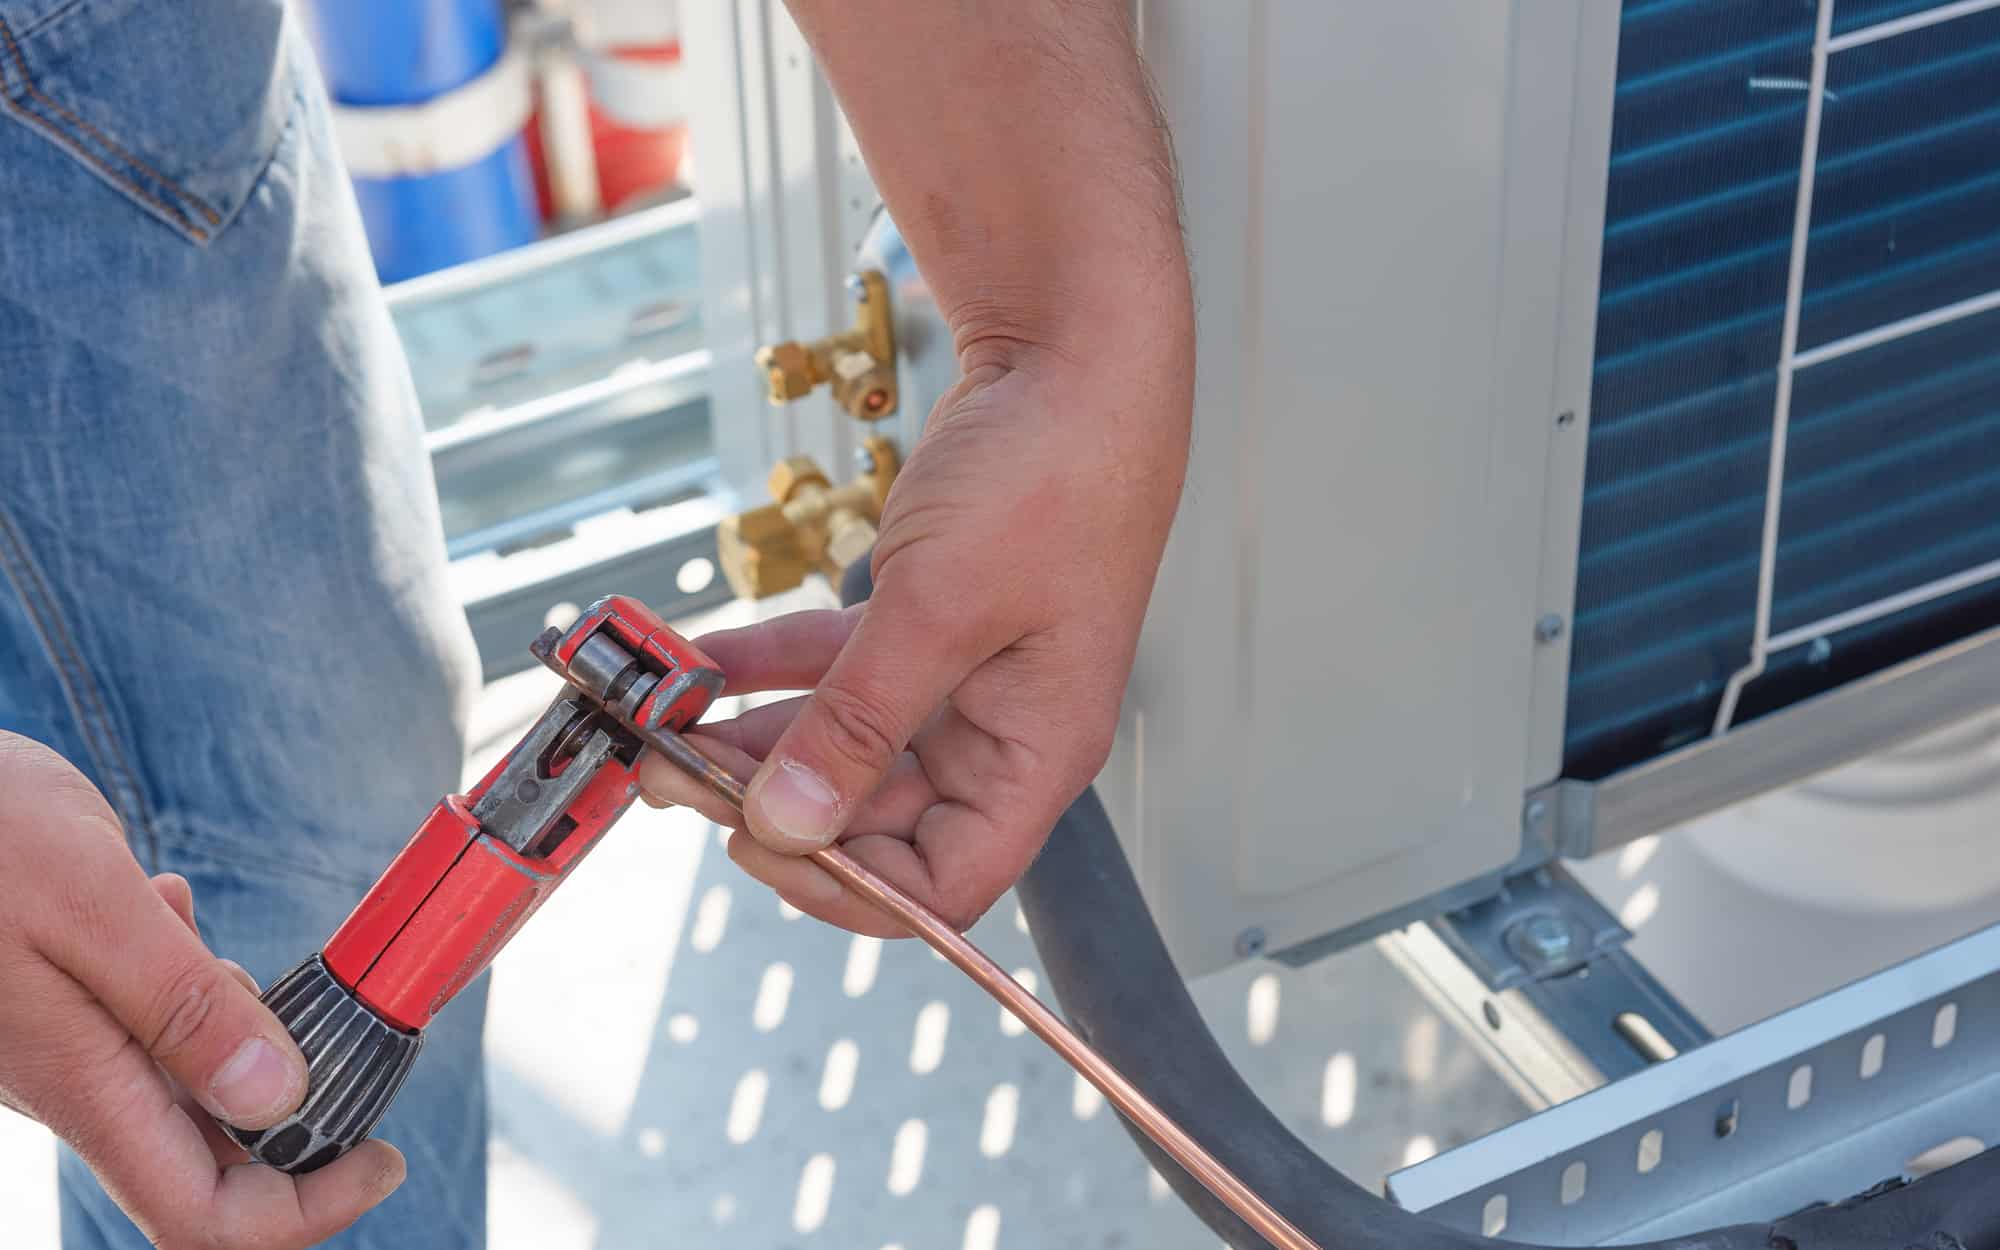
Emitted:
<point x="1114" y="980"/>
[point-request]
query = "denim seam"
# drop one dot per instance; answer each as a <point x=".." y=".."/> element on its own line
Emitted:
<point x="87" y="702"/>
<point x="49" y="18"/>
<point x="53" y="129"/>
<point x="28" y="83"/>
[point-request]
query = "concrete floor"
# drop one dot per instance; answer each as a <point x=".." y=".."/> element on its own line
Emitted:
<point x="736" y="1074"/>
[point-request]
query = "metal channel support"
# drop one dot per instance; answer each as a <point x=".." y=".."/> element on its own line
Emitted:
<point x="558" y="314"/>
<point x="675" y="572"/>
<point x="1536" y="978"/>
<point x="515" y="477"/>
<point x="1933" y="691"/>
<point x="1875" y="1082"/>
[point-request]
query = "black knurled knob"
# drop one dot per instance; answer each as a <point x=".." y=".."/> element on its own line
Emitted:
<point x="355" y="1063"/>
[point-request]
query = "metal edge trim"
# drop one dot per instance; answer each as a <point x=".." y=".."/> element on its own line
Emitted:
<point x="1594" y="88"/>
<point x="1844" y="724"/>
<point x="544" y="254"/>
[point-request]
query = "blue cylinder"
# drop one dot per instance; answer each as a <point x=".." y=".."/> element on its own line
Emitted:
<point x="376" y="53"/>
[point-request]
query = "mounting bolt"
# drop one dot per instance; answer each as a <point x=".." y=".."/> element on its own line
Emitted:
<point x="856" y="288"/>
<point x="1536" y="813"/>
<point x="1819" y="652"/>
<point x="1250" y="943"/>
<point x="864" y="460"/>
<point x="1549" y="628"/>
<point x="1565" y="419"/>
<point x="1544" y="937"/>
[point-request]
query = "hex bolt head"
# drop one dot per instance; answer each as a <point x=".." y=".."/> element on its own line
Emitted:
<point x="1548" y="628"/>
<point x="1250" y="943"/>
<point x="1545" y="937"/>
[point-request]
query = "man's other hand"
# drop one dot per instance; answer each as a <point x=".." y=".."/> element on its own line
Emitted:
<point x="121" y="1032"/>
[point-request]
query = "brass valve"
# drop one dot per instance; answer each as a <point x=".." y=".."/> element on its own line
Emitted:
<point x="812" y="525"/>
<point x="858" y="365"/>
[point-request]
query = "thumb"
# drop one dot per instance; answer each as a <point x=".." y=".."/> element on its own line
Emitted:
<point x="187" y="1008"/>
<point x="899" y="664"/>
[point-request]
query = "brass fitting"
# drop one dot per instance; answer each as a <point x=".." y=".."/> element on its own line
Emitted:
<point x="858" y="364"/>
<point x="812" y="525"/>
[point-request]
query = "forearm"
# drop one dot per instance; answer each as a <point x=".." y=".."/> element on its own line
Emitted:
<point x="1019" y="149"/>
<point x="1018" y="146"/>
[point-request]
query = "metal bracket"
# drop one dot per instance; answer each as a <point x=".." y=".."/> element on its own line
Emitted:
<point x="1540" y="925"/>
<point x="1537" y="979"/>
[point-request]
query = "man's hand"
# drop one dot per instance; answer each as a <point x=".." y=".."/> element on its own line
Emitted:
<point x="126" y="1036"/>
<point x="954" y="717"/>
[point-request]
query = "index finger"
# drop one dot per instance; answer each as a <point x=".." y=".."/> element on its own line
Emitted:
<point x="789" y="652"/>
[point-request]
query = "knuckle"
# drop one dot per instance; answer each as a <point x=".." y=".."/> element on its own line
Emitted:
<point x="858" y="728"/>
<point x="185" y="1005"/>
<point x="45" y="793"/>
<point x="1094" y="746"/>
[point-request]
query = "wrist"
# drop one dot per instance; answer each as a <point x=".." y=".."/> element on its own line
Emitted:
<point x="1131" y="307"/>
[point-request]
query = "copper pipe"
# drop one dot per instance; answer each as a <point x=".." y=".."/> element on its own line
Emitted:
<point x="1029" y="1010"/>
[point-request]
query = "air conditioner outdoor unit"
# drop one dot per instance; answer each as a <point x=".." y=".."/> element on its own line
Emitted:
<point x="1597" y="438"/>
<point x="1598" y="426"/>
<point x="1598" y="423"/>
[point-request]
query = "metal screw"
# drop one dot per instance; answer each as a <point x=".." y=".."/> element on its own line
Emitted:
<point x="1250" y="943"/>
<point x="856" y="287"/>
<point x="1565" y="419"/>
<point x="1545" y="937"/>
<point x="1537" y="813"/>
<point x="1549" y="628"/>
<point x="1819" y="652"/>
<point x="864" y="460"/>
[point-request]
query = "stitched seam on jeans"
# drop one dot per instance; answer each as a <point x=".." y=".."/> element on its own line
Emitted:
<point x="93" y="714"/>
<point x="50" y="127"/>
<point x="27" y="81"/>
<point x="49" y="18"/>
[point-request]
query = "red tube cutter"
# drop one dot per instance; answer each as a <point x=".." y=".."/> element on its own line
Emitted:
<point x="476" y="870"/>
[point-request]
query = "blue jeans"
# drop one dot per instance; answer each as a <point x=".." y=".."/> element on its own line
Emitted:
<point x="222" y="568"/>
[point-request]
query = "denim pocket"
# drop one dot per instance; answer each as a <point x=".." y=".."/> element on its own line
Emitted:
<point x="176" y="104"/>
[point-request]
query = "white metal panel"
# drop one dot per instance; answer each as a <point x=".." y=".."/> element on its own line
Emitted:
<point x="1330" y="715"/>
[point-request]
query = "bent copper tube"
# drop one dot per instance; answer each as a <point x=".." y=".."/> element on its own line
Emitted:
<point x="924" y="923"/>
<point x="1031" y="1011"/>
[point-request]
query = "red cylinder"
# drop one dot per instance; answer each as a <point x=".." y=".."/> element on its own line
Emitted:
<point x="638" y="124"/>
